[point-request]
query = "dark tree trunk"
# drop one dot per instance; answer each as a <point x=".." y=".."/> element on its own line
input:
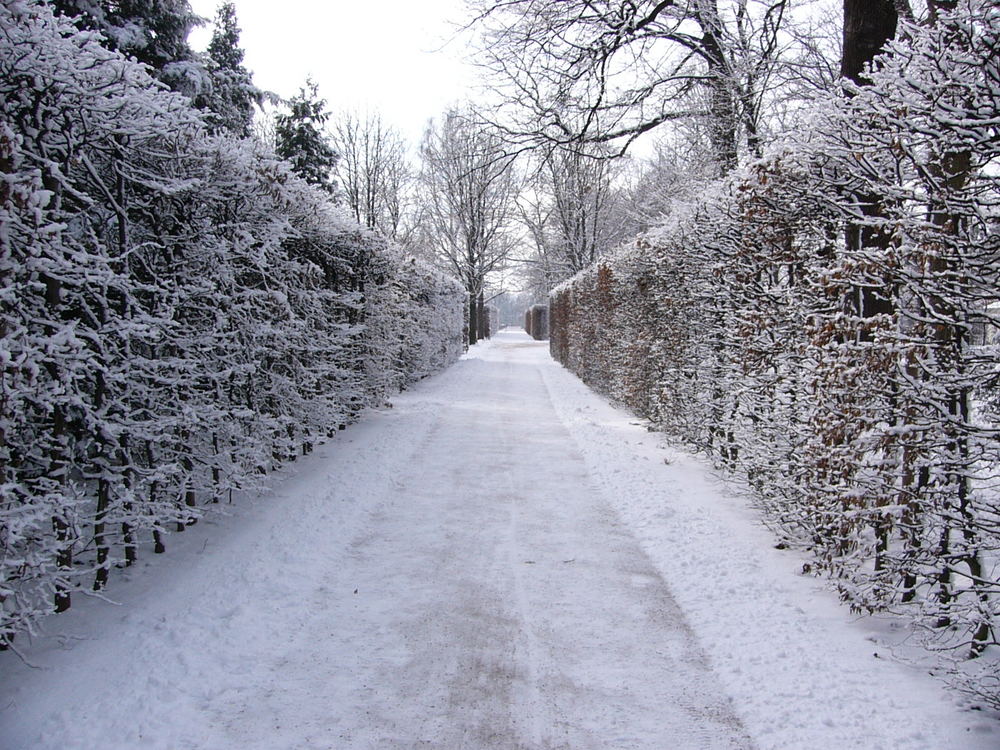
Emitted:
<point x="473" y="317"/>
<point x="723" y="128"/>
<point x="63" y="531"/>
<point x="868" y="25"/>
<point x="59" y="461"/>
<point x="100" y="538"/>
<point x="481" y="316"/>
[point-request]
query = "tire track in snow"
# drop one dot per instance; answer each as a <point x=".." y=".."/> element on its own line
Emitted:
<point x="535" y="706"/>
<point x="612" y="663"/>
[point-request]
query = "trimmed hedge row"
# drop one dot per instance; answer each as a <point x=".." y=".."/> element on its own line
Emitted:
<point x="179" y="314"/>
<point x="824" y="324"/>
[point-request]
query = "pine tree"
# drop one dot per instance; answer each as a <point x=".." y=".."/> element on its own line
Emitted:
<point x="232" y="94"/>
<point x="301" y="140"/>
<point x="154" y="32"/>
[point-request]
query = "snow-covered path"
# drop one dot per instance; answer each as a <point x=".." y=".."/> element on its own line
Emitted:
<point x="500" y="561"/>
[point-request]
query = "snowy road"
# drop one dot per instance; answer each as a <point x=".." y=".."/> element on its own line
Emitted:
<point x="466" y="570"/>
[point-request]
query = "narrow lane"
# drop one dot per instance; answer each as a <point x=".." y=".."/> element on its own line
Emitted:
<point x="446" y="575"/>
<point x="500" y="604"/>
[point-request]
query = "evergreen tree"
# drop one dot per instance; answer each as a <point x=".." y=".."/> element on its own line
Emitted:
<point x="154" y="32"/>
<point x="232" y="94"/>
<point x="301" y="140"/>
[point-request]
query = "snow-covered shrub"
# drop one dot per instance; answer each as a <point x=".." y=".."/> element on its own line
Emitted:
<point x="180" y="313"/>
<point x="923" y="140"/>
<point x="415" y="316"/>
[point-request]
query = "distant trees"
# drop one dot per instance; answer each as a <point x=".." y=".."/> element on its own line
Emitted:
<point x="573" y="213"/>
<point x="583" y="72"/>
<point x="469" y="191"/>
<point x="373" y="171"/>
<point x="586" y="213"/>
<point x="579" y="82"/>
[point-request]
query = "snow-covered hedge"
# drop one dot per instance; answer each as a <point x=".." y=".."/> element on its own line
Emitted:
<point x="179" y="313"/>
<point x="825" y="323"/>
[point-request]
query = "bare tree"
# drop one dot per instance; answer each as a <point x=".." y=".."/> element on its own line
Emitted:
<point x="585" y="206"/>
<point x="582" y="71"/>
<point x="573" y="213"/>
<point x="676" y="171"/>
<point x="542" y="270"/>
<point x="373" y="171"/>
<point x="469" y="191"/>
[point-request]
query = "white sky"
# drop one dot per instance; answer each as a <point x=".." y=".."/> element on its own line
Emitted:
<point x="397" y="57"/>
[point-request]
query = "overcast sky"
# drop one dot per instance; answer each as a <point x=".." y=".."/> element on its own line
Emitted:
<point x="395" y="56"/>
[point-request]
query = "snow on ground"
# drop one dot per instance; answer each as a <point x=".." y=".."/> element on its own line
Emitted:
<point x="502" y="560"/>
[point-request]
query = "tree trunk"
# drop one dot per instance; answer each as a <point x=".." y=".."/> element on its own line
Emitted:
<point x="723" y="124"/>
<point x="481" y="316"/>
<point x="473" y="317"/>
<point x="58" y="460"/>
<point x="868" y="25"/>
<point x="100" y="538"/>
<point x="102" y="466"/>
